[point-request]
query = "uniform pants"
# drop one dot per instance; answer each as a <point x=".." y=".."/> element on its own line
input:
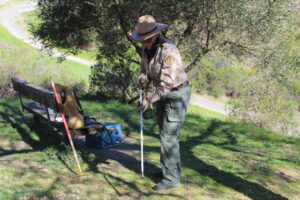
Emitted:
<point x="171" y="111"/>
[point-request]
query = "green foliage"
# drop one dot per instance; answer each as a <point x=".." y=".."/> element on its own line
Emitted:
<point x="115" y="79"/>
<point x="220" y="75"/>
<point x="266" y="105"/>
<point x="208" y="25"/>
<point x="271" y="99"/>
<point x="32" y="20"/>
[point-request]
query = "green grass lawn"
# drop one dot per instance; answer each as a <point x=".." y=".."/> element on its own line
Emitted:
<point x="221" y="159"/>
<point x="22" y="60"/>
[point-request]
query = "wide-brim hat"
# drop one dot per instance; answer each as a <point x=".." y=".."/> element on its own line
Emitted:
<point x="146" y="28"/>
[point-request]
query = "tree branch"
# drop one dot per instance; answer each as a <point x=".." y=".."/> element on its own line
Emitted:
<point x="126" y="58"/>
<point x="123" y="27"/>
<point x="208" y="33"/>
<point x="238" y="46"/>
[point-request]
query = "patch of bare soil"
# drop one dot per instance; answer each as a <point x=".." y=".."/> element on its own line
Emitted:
<point x="7" y="145"/>
<point x="289" y="174"/>
<point x="124" y="151"/>
<point x="10" y="148"/>
<point x="7" y="91"/>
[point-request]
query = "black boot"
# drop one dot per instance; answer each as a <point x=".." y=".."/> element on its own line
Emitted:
<point x="158" y="175"/>
<point x="162" y="186"/>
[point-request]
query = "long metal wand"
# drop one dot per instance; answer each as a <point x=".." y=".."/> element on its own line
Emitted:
<point x="142" y="135"/>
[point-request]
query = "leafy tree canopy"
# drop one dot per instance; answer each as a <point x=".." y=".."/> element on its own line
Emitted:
<point x="198" y="26"/>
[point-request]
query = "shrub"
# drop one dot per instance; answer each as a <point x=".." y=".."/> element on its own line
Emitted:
<point x="220" y="75"/>
<point x="115" y="80"/>
<point x="265" y="103"/>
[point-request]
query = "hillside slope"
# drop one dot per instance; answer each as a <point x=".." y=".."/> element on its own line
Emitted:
<point x="220" y="159"/>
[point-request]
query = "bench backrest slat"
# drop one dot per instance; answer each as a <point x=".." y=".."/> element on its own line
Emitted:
<point x="36" y="93"/>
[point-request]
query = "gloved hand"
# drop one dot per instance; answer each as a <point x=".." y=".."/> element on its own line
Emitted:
<point x="143" y="81"/>
<point x="142" y="107"/>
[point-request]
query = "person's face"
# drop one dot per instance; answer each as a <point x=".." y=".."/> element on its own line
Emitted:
<point x="149" y="42"/>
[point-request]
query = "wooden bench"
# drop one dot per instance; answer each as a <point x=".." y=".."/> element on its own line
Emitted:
<point x="43" y="105"/>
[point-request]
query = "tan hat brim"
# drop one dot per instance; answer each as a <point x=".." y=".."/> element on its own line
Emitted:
<point x="139" y="38"/>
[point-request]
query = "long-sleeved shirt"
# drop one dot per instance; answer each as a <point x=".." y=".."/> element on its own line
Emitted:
<point x="164" y="70"/>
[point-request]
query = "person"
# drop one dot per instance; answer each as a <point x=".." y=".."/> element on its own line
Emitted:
<point x="168" y="90"/>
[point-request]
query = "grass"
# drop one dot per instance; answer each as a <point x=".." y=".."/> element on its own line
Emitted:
<point x="30" y="17"/>
<point x="220" y="159"/>
<point x="37" y="67"/>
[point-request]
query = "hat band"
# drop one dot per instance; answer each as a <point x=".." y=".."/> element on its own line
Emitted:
<point x="148" y="31"/>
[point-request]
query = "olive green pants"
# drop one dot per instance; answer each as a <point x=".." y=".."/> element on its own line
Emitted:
<point x="170" y="113"/>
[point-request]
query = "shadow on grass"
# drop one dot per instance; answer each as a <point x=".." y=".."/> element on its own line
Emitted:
<point x="203" y="129"/>
<point x="201" y="132"/>
<point x="14" y="116"/>
<point x="9" y="152"/>
<point x="123" y="154"/>
<point x="228" y="137"/>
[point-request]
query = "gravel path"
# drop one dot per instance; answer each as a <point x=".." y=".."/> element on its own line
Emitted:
<point x="209" y="104"/>
<point x="10" y="14"/>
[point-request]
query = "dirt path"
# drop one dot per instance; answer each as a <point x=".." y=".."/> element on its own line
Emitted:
<point x="209" y="104"/>
<point x="10" y="15"/>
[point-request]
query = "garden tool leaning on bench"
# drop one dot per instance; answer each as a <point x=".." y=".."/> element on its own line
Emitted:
<point x="58" y="101"/>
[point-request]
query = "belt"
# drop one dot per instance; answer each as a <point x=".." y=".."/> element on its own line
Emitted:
<point x="182" y="85"/>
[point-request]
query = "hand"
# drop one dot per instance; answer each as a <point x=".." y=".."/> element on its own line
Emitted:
<point x="142" y="107"/>
<point x="143" y="81"/>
